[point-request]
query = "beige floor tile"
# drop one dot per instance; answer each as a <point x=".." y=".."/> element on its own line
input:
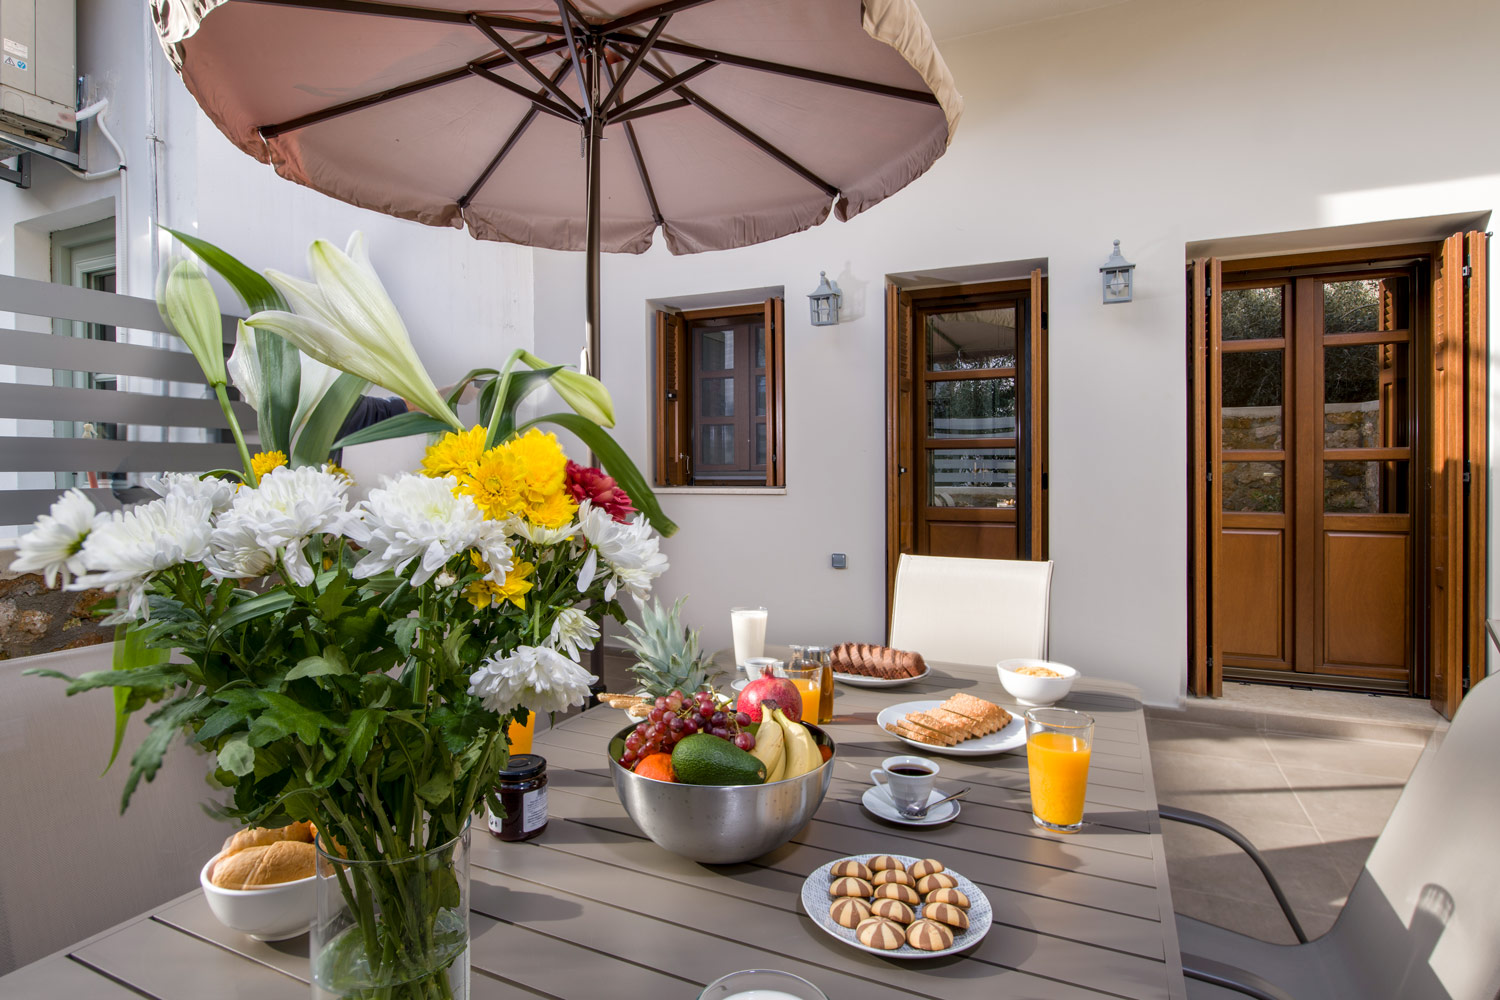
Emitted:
<point x="1202" y="860"/>
<point x="1208" y="740"/>
<point x="1237" y="791"/>
<point x="1343" y="804"/>
<point x="1385" y="760"/>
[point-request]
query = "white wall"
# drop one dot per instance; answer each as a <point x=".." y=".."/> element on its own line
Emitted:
<point x="1159" y="123"/>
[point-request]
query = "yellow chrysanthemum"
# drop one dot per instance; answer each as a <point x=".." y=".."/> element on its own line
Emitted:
<point x="264" y="461"/>
<point x="493" y="483"/>
<point x="553" y="512"/>
<point x="524" y="476"/>
<point x="543" y="466"/>
<point x="453" y="453"/>
<point x="483" y="593"/>
<point x="338" y="470"/>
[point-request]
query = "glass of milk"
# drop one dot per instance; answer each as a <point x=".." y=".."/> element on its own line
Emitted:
<point x="749" y="628"/>
<point x="761" y="984"/>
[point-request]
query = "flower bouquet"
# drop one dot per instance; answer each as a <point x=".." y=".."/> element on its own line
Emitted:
<point x="356" y="665"/>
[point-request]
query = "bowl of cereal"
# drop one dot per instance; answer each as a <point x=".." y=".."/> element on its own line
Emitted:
<point x="1035" y="683"/>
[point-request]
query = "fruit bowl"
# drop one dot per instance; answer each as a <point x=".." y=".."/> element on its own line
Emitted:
<point x="722" y="824"/>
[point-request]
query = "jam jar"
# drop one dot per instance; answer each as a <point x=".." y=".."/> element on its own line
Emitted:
<point x="523" y="792"/>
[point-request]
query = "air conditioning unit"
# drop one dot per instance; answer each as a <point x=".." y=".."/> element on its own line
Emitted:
<point x="39" y="73"/>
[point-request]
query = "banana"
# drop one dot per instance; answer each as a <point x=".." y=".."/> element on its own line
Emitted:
<point x="802" y="752"/>
<point x="770" y="747"/>
<point x="780" y="771"/>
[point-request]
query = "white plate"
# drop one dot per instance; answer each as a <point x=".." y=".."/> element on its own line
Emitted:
<point x="739" y="685"/>
<point x="878" y="801"/>
<point x="860" y="680"/>
<point x="1012" y="737"/>
<point x="816" y="901"/>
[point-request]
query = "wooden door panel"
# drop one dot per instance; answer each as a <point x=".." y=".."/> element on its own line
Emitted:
<point x="972" y="540"/>
<point x="1366" y="593"/>
<point x="1252" y="596"/>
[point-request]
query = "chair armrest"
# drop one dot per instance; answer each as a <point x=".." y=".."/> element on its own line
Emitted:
<point x="1231" y="977"/>
<point x="1190" y="818"/>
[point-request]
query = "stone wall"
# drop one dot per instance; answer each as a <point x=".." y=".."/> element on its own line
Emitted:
<point x="34" y="619"/>
<point x="1348" y="487"/>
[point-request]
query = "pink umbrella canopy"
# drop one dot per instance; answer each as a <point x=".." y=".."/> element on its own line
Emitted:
<point x="723" y="122"/>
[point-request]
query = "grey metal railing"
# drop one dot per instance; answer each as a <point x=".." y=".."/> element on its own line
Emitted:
<point x="137" y="416"/>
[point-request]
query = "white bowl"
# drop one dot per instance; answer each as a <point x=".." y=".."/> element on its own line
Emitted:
<point x="1035" y="692"/>
<point x="274" y="913"/>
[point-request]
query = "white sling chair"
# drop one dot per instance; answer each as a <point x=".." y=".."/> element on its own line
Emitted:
<point x="976" y="611"/>
<point x="1423" y="919"/>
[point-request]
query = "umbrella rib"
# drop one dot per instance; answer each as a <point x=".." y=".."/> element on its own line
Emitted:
<point x="635" y="149"/>
<point x="510" y="142"/>
<point x="617" y="91"/>
<point x="655" y="109"/>
<point x="538" y="101"/>
<point x="394" y="93"/>
<point x="781" y="69"/>
<point x="647" y="13"/>
<point x="575" y="112"/>
<point x="583" y="90"/>
<point x="748" y="135"/>
<point x="661" y="88"/>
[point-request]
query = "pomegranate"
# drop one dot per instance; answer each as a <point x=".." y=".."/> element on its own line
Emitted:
<point x="774" y="689"/>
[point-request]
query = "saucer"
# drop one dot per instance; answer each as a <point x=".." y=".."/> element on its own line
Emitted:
<point x="878" y="801"/>
<point x="739" y="685"/>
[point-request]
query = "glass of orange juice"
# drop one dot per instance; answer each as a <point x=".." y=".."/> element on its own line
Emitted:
<point x="808" y="680"/>
<point x="1058" y="744"/>
<point x="520" y="734"/>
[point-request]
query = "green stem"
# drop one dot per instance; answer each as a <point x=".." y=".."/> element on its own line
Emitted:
<point x="493" y="430"/>
<point x="239" y="435"/>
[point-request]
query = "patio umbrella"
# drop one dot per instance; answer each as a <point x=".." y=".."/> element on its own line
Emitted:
<point x="578" y="124"/>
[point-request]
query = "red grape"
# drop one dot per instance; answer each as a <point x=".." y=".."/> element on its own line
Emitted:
<point x="742" y="718"/>
<point x="717" y="718"/>
<point x="745" y="741"/>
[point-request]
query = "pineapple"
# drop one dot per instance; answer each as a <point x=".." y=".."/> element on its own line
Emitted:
<point x="667" y="654"/>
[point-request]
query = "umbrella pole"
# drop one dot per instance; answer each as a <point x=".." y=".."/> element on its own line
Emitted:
<point x="594" y="126"/>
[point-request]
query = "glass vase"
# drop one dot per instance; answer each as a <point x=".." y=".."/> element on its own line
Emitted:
<point x="395" y="928"/>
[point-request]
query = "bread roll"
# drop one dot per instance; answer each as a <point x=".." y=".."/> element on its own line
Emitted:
<point x="266" y="865"/>
<point x="261" y="836"/>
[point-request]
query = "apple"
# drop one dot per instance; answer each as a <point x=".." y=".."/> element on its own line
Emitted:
<point x="775" y="689"/>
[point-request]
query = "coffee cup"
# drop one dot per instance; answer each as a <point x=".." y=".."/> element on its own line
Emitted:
<point x="757" y="667"/>
<point x="907" y="780"/>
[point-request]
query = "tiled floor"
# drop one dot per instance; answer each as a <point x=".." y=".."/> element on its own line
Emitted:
<point x="1313" y="807"/>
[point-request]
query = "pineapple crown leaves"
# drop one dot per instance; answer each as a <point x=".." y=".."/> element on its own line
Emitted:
<point x="667" y="653"/>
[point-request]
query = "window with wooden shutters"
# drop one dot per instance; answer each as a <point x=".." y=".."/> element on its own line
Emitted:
<point x="720" y="410"/>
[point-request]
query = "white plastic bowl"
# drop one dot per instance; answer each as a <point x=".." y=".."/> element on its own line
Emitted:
<point x="274" y="913"/>
<point x="1034" y="692"/>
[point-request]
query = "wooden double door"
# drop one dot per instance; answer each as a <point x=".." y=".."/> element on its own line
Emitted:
<point x="1339" y="537"/>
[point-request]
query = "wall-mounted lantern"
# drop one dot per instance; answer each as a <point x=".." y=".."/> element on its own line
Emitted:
<point x="1119" y="284"/>
<point x="825" y="301"/>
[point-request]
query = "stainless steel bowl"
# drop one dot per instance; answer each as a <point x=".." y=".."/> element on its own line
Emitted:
<point x="722" y="824"/>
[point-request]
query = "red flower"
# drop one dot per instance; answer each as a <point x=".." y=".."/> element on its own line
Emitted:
<point x="586" y="483"/>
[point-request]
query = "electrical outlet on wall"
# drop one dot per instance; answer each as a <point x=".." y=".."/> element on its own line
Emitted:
<point x="839" y="561"/>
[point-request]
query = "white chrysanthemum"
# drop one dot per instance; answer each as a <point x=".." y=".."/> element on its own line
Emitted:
<point x="572" y="631"/>
<point x="53" y="545"/>
<point x="289" y="507"/>
<point x="234" y="551"/>
<point x="218" y="492"/>
<point x="537" y="534"/>
<point x="533" y="677"/>
<point x="630" y="550"/>
<point x="420" y="518"/>
<point x="127" y="548"/>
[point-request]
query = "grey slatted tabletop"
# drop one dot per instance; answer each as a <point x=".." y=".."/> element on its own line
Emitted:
<point x="591" y="908"/>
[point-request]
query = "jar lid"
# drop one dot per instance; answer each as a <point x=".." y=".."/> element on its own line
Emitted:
<point x="522" y="766"/>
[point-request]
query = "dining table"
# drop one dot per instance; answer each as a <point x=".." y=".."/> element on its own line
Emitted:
<point x="591" y="908"/>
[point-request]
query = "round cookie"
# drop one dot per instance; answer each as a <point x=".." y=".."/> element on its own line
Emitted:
<point x="928" y="935"/>
<point x="938" y="880"/>
<point x="895" y="875"/>
<point x="904" y="893"/>
<point x="893" y="909"/>
<point x="850" y="886"/>
<point x="878" y="932"/>
<point x="847" y="911"/>
<point x="851" y="868"/>
<point x="884" y="862"/>
<point x="954" y="896"/>
<point x="946" y="913"/>
<point x="922" y="869"/>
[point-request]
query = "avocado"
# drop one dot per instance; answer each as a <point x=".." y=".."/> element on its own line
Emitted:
<point x="702" y="759"/>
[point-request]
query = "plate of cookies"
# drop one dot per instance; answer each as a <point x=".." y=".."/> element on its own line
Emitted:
<point x="897" y="906"/>
<point x="961" y="726"/>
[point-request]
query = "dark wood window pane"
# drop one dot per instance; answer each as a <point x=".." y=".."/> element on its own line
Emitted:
<point x="760" y="346"/>
<point x="717" y="445"/>
<point x="975" y="338"/>
<point x="971" y="477"/>
<point x="972" y="408"/>
<point x="718" y="397"/>
<point x="760" y="395"/>
<point x="1252" y="313"/>
<point x="760" y="443"/>
<point x="1255" y="487"/>
<point x="1252" y="400"/>
<point x="716" y="350"/>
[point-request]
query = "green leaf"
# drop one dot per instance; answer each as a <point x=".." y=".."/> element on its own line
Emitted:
<point x="331" y="662"/>
<point x="615" y="462"/>
<point x="458" y="387"/>
<point x="293" y="717"/>
<point x="316" y="440"/>
<point x="459" y="729"/>
<point x="436" y="788"/>
<point x="405" y="633"/>
<point x="238" y="704"/>
<point x="257" y="607"/>
<point x="135" y="677"/>
<point x="237" y="756"/>
<point x="165" y="723"/>
<point x="516" y="386"/>
<point x="401" y="425"/>
<point x="130" y="652"/>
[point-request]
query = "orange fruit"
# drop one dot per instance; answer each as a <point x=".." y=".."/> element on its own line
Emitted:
<point x="826" y="751"/>
<point x="658" y="766"/>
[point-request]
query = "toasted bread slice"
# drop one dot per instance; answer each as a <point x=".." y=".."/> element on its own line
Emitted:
<point x="973" y="727"/>
<point x="978" y="708"/>
<point x="950" y="726"/>
<point x="920" y="733"/>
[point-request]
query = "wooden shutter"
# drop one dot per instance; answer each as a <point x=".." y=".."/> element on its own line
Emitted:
<point x="1036" y="420"/>
<point x="900" y="478"/>
<point x="1204" y="324"/>
<point x="673" y="431"/>
<point x="775" y="319"/>
<point x="1445" y="479"/>
<point x="1476" y="444"/>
